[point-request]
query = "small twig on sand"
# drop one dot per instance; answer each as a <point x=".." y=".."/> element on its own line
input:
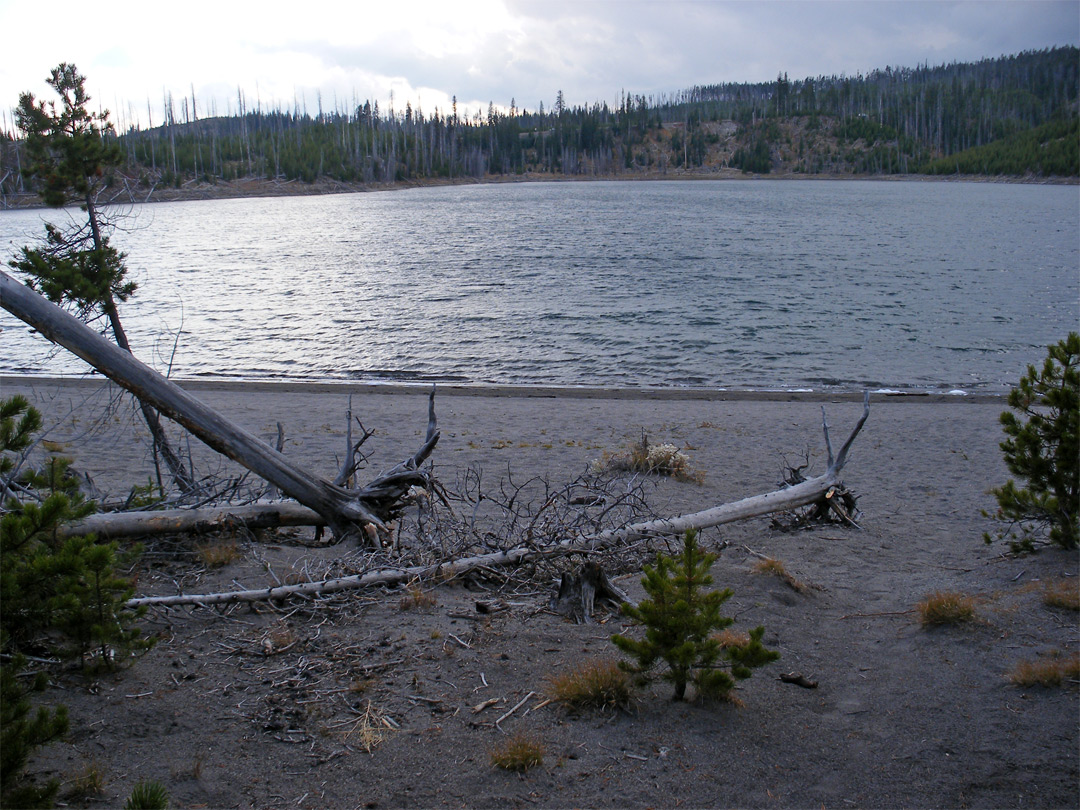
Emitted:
<point x="517" y="706"/>
<point x="883" y="613"/>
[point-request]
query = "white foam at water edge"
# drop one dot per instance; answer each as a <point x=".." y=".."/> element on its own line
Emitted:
<point x="956" y="392"/>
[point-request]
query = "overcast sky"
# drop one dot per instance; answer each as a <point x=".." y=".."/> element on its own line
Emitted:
<point x="133" y="52"/>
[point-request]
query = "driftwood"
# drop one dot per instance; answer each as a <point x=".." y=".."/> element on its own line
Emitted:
<point x="344" y="510"/>
<point x="181" y="521"/>
<point x="807" y="492"/>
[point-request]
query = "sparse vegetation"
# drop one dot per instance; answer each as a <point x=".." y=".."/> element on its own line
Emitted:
<point x="218" y="553"/>
<point x="1043" y="449"/>
<point x="679" y="618"/>
<point x="1049" y="671"/>
<point x="278" y="639"/>
<point x="87" y="783"/>
<point x="417" y="597"/>
<point x="731" y="638"/>
<point x="60" y="596"/>
<point x="1064" y="593"/>
<point x="649" y="459"/>
<point x="597" y="684"/>
<point x="946" y="607"/>
<point x="777" y="569"/>
<point x="518" y="752"/>
<point x="368" y="730"/>
<point x="148" y="796"/>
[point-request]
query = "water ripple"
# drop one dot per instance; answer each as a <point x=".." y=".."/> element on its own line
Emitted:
<point x="733" y="285"/>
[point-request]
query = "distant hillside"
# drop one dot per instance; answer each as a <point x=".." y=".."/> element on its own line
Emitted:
<point x="1015" y="115"/>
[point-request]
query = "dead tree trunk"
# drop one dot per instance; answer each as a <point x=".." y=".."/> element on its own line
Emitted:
<point x="114" y="525"/>
<point x="342" y="509"/>
<point x="180" y="475"/>
<point x="793" y="497"/>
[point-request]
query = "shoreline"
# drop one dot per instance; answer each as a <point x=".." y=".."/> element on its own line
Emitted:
<point x="258" y="187"/>
<point x="524" y="391"/>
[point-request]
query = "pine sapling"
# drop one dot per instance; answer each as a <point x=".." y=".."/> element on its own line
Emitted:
<point x="680" y="618"/>
<point x="1043" y="449"/>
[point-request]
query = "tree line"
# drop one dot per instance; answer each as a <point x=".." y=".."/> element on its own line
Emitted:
<point x="1012" y="115"/>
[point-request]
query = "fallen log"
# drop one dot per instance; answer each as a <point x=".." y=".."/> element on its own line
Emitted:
<point x="792" y="497"/>
<point x="344" y="510"/>
<point x="114" y="525"/>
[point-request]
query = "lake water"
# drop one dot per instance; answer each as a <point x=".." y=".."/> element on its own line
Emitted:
<point x="740" y="284"/>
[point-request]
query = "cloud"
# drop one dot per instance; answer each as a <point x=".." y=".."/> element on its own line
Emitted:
<point x="428" y="51"/>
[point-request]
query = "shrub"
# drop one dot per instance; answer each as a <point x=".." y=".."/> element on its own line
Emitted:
<point x="679" y="618"/>
<point x="148" y="796"/>
<point x="1043" y="448"/>
<point x="946" y="607"/>
<point x="650" y="459"/>
<point x="58" y="596"/>
<point x="20" y="733"/>
<point x="598" y="684"/>
<point x="519" y="752"/>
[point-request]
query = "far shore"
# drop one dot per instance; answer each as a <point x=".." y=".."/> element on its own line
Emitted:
<point x="455" y="389"/>
<point x="261" y="187"/>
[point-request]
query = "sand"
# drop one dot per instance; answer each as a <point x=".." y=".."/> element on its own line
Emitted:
<point x="902" y="716"/>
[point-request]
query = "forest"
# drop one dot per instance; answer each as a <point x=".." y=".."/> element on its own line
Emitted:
<point x="1013" y="115"/>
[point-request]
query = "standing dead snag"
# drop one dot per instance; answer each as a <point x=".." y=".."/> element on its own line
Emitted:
<point x="344" y="510"/>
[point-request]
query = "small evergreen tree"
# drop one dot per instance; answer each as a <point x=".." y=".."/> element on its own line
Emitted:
<point x="1043" y="448"/>
<point x="21" y="731"/>
<point x="58" y="596"/>
<point x="70" y="150"/>
<point x="679" y="619"/>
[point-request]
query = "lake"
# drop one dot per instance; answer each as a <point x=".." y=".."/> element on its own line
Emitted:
<point x="756" y="284"/>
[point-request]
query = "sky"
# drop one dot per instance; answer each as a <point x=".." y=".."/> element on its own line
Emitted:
<point x="339" y="52"/>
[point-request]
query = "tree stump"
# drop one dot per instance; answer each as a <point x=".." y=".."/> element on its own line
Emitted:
<point x="578" y="593"/>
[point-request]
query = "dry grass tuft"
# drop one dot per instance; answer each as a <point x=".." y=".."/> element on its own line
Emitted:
<point x="218" y="553"/>
<point x="1065" y="593"/>
<point x="650" y="459"/>
<point x="946" y="607"/>
<point x="88" y="783"/>
<point x="416" y="597"/>
<point x="729" y="697"/>
<point x="278" y="639"/>
<point x="518" y="752"/>
<point x="776" y="568"/>
<point x="1053" y="671"/>
<point x="295" y="575"/>
<point x="597" y="684"/>
<point x="369" y="730"/>
<point x="728" y="638"/>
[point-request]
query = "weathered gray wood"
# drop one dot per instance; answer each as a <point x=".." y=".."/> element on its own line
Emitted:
<point x="341" y="509"/>
<point x="802" y="494"/>
<point x="208" y="519"/>
<point x="579" y="592"/>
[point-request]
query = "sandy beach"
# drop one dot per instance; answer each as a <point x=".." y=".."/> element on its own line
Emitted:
<point x="902" y="716"/>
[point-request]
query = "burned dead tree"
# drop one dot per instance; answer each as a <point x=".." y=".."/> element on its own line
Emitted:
<point x="552" y="545"/>
<point x="345" y="510"/>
